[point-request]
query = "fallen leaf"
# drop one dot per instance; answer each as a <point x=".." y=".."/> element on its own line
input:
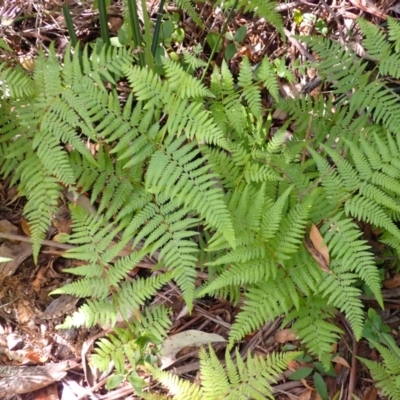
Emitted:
<point x="341" y="361"/>
<point x="17" y="252"/>
<point x="318" y="242"/>
<point x="393" y="282"/>
<point x="372" y="394"/>
<point x="8" y="227"/>
<point x="285" y="335"/>
<point x="19" y="380"/>
<point x="25" y="312"/>
<point x="175" y="343"/>
<point x="314" y="244"/>
<point x="306" y="395"/>
<point x="26" y="227"/>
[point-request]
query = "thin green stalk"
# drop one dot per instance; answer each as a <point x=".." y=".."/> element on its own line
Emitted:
<point x="135" y="27"/>
<point x="223" y="30"/>
<point x="105" y="34"/>
<point x="70" y="25"/>
<point x="147" y="36"/>
<point x="156" y="34"/>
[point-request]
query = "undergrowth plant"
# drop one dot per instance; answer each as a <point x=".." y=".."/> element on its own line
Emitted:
<point x="192" y="175"/>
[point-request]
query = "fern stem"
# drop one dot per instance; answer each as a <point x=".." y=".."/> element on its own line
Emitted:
<point x="134" y="24"/>
<point x="157" y="29"/>
<point x="70" y="25"/>
<point x="147" y="36"/>
<point x="223" y="30"/>
<point x="105" y="34"/>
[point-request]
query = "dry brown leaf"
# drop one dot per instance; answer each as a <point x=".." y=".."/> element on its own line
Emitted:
<point x="25" y="311"/>
<point x="19" y="380"/>
<point x="372" y="394"/>
<point x="393" y="282"/>
<point x="341" y="361"/>
<point x="173" y="344"/>
<point x="314" y="243"/>
<point x="285" y="335"/>
<point x="318" y="242"/>
<point x="26" y="227"/>
<point x="48" y="393"/>
<point x="8" y="227"/>
<point x="309" y="394"/>
<point x="17" y="252"/>
<point x="306" y="395"/>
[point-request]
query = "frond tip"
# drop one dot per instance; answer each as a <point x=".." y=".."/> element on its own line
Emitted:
<point x="250" y="379"/>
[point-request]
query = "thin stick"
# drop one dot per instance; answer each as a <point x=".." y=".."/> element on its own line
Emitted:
<point x="26" y="239"/>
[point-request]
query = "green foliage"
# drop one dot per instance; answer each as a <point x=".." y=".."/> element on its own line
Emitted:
<point x="250" y="379"/>
<point x="387" y="373"/>
<point x="185" y="173"/>
<point x="135" y="344"/>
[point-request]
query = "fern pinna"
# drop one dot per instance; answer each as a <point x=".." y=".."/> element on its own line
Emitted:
<point x="188" y="173"/>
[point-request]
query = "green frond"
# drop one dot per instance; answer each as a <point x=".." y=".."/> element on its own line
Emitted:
<point x="15" y="82"/>
<point x="291" y="231"/>
<point x="240" y="275"/>
<point x="361" y="207"/>
<point x="305" y="273"/>
<point x="183" y="84"/>
<point x="251" y="92"/>
<point x="223" y="165"/>
<point x="250" y="379"/>
<point x="179" y="389"/>
<point x="42" y="191"/>
<point x="121" y="344"/>
<point x="394" y="32"/>
<point x="339" y="65"/>
<point x="273" y="215"/>
<point x="375" y="41"/>
<point x="104" y="311"/>
<point x="190" y="118"/>
<point x="343" y="239"/>
<point x="264" y="9"/>
<point x="184" y="177"/>
<point x="312" y="323"/>
<point x="189" y="8"/>
<point x="263" y="302"/>
<point x="267" y="75"/>
<point x="343" y="295"/>
<point x="387" y="373"/>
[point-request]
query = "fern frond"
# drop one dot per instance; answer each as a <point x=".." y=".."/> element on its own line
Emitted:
<point x="267" y="75"/>
<point x="343" y="295"/>
<point x="123" y="342"/>
<point x="394" y="33"/>
<point x="387" y="373"/>
<point x="42" y="190"/>
<point x="130" y="296"/>
<point x="185" y="179"/>
<point x="312" y="325"/>
<point x="250" y="379"/>
<point x="375" y="42"/>
<point x="343" y="239"/>
<point x="263" y="302"/>
<point x="15" y="82"/>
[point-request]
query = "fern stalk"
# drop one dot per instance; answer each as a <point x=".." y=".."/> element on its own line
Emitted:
<point x="105" y="34"/>
<point x="147" y="37"/>
<point x="223" y="31"/>
<point x="135" y="26"/>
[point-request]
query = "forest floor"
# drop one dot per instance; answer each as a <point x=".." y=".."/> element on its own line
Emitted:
<point x="28" y="316"/>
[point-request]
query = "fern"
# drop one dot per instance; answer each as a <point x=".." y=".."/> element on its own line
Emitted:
<point x="192" y="175"/>
<point x="249" y="379"/>
<point x="148" y="328"/>
<point x="387" y="373"/>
